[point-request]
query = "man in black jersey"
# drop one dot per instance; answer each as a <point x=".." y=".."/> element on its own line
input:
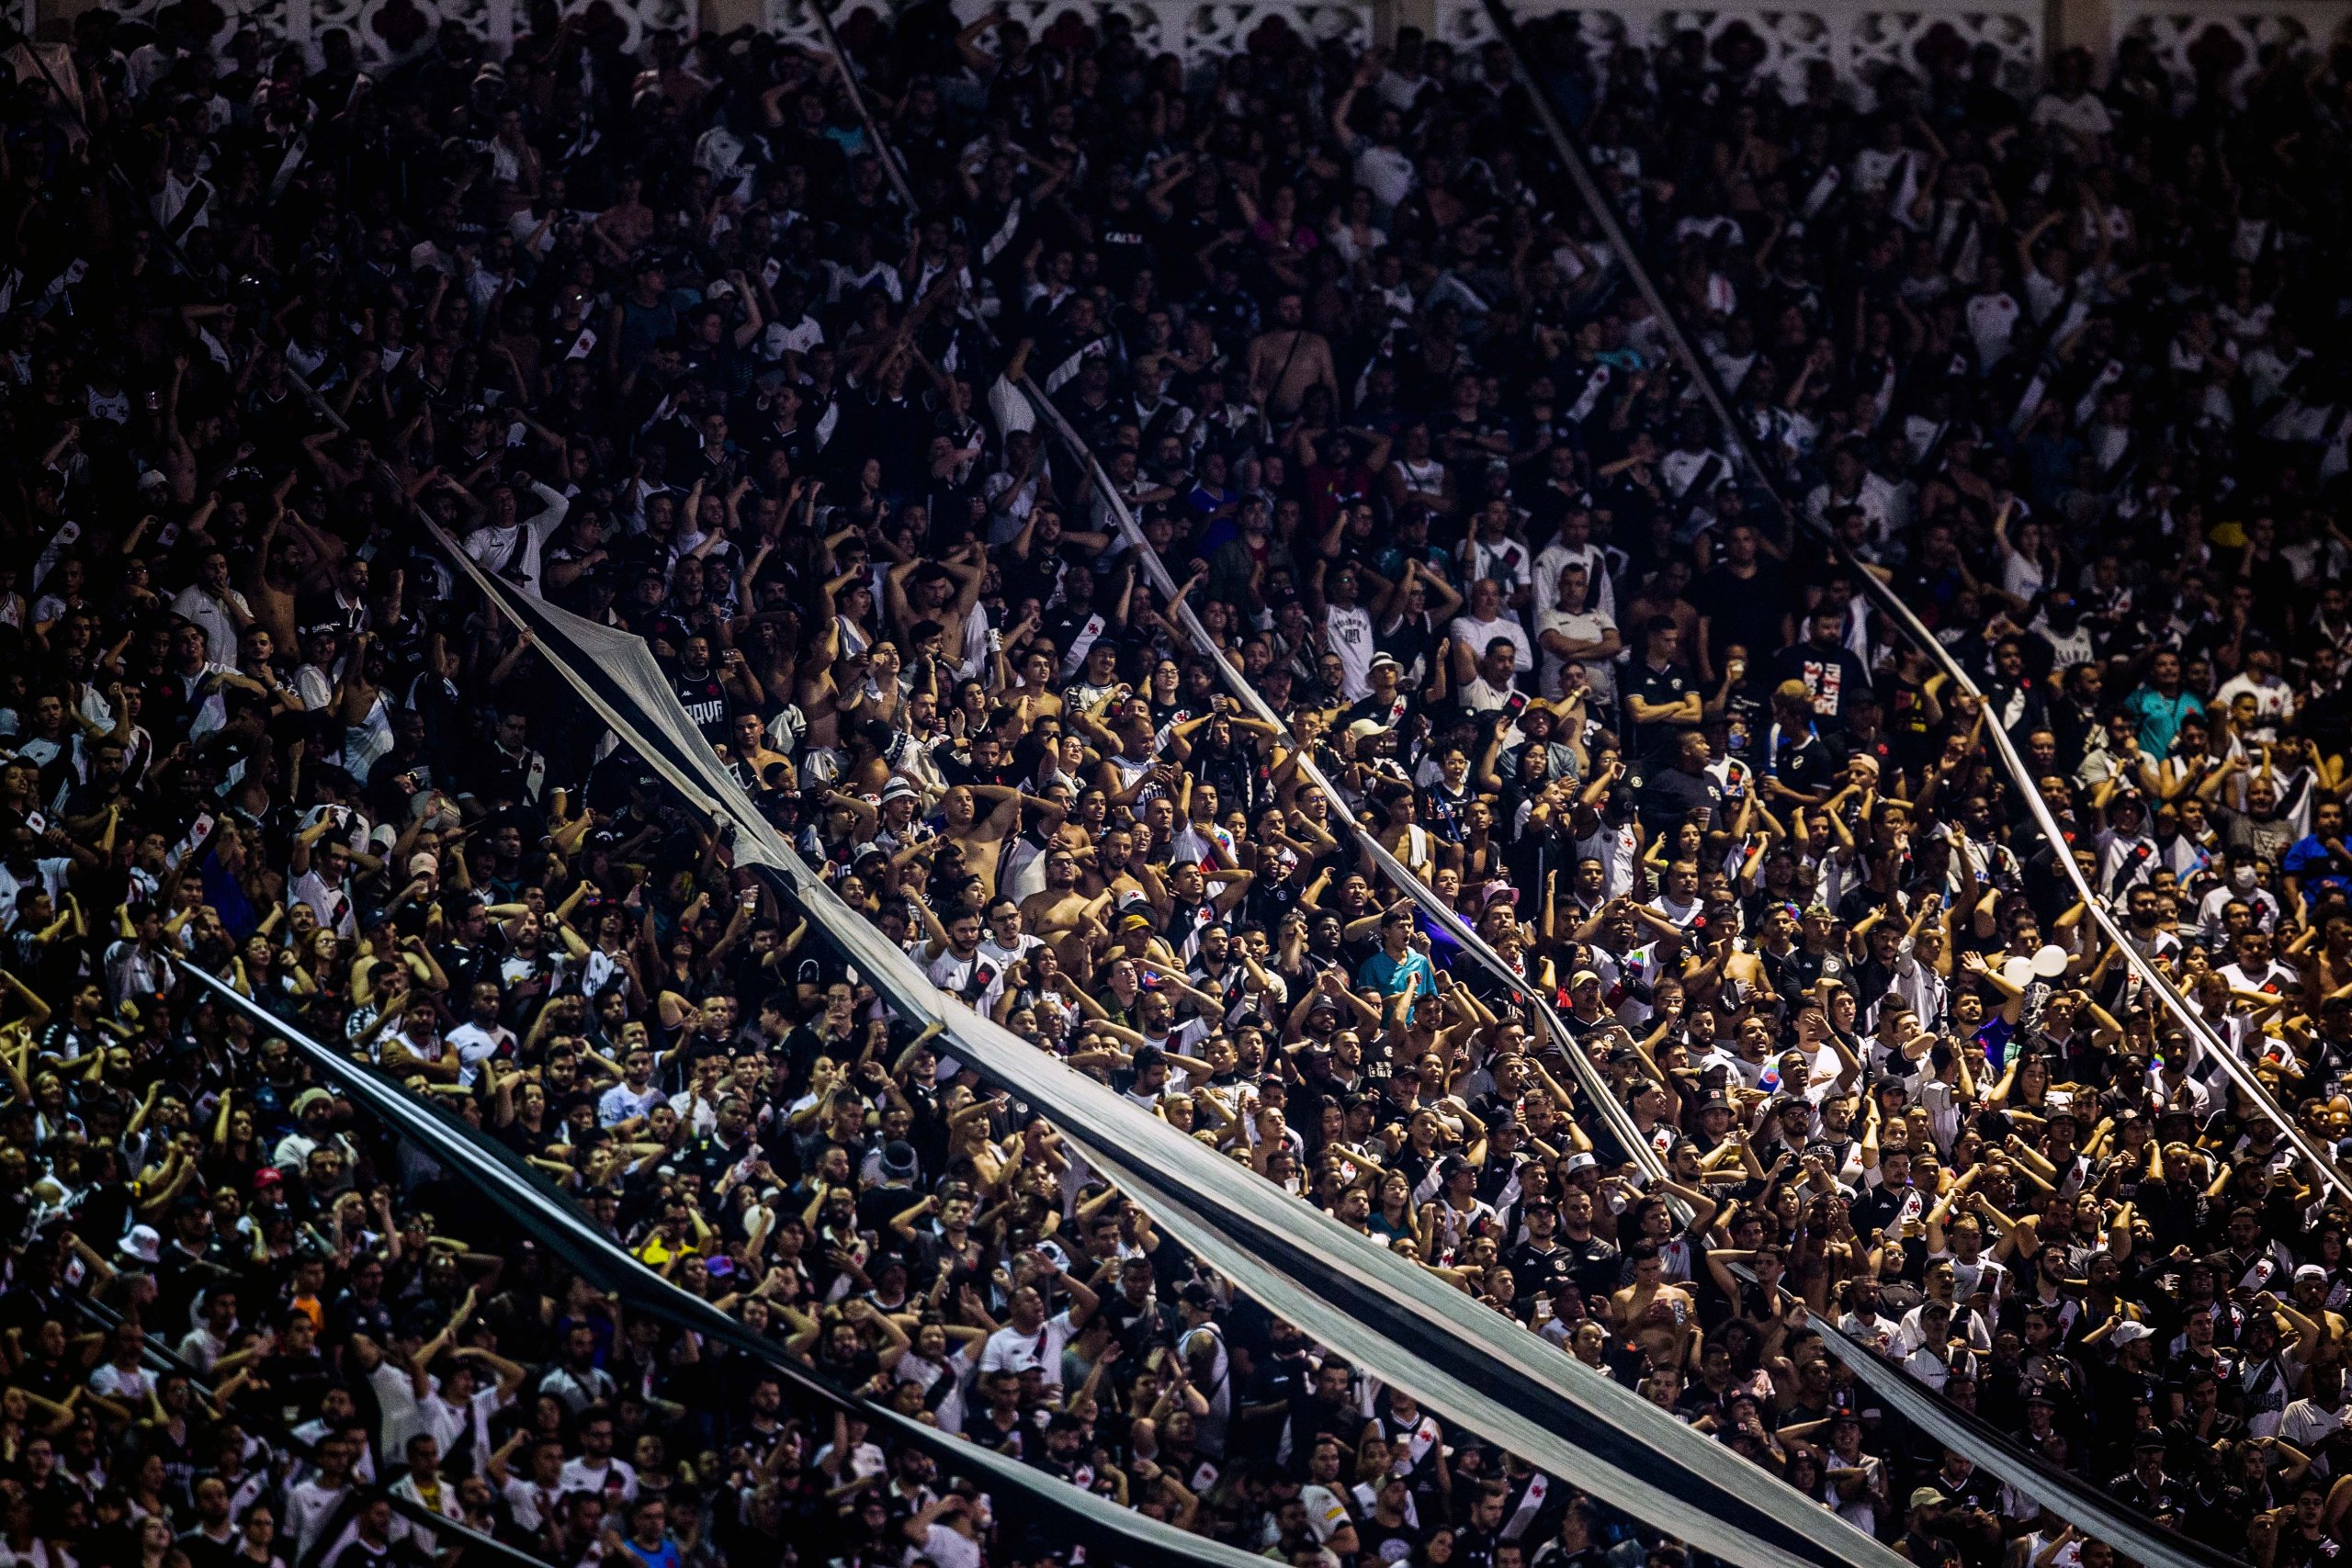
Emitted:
<point x="1659" y="697"/>
<point x="704" y="687"/>
<point x="1541" y="1265"/>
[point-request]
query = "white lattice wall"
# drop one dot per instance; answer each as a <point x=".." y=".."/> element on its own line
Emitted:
<point x="1857" y="42"/>
<point x="1858" y="38"/>
<point x="388" y="31"/>
<point x="2256" y="26"/>
<point x="1195" y="31"/>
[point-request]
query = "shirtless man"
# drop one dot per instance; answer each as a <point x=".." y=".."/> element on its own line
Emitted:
<point x="1033" y="689"/>
<point x="1062" y="906"/>
<point x="753" y="758"/>
<point x="1660" y="1316"/>
<point x="982" y="838"/>
<point x="288" y="566"/>
<point x="1287" y="359"/>
<point x="944" y="591"/>
<point x="1122" y="860"/>
<point x="831" y="687"/>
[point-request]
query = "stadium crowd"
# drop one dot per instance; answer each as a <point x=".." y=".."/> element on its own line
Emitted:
<point x="655" y="332"/>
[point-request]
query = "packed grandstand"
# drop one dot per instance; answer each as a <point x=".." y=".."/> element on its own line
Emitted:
<point x="965" y="798"/>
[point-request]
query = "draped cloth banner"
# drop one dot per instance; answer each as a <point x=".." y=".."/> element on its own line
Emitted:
<point x="1581" y="1427"/>
<point x="2085" y="1506"/>
<point x="1345" y="1291"/>
<point x="1342" y="1289"/>
<point x="1710" y="389"/>
<point x="499" y="1175"/>
<point x="1386" y="1314"/>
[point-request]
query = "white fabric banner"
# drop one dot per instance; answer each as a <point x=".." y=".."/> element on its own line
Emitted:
<point x="1344" y="1290"/>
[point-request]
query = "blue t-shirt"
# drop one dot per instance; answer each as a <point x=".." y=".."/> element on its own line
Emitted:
<point x="2318" y="867"/>
<point x="1993" y="1039"/>
<point x="1388" y="974"/>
